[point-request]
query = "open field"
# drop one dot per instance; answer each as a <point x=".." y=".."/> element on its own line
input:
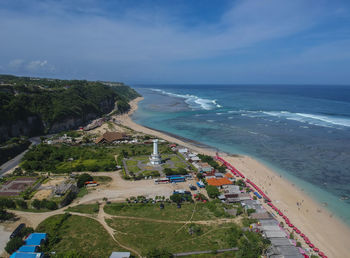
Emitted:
<point x="199" y="211"/>
<point x="81" y="234"/>
<point x="144" y="235"/>
<point x="85" y="208"/>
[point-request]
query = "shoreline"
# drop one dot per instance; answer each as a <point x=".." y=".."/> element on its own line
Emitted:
<point x="326" y="231"/>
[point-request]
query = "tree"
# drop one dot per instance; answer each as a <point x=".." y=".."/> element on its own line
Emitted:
<point x="4" y="215"/>
<point x="51" y="205"/>
<point x="36" y="204"/>
<point x="182" y="171"/>
<point x="7" y="203"/>
<point x="159" y="253"/>
<point x="22" y="204"/>
<point x="83" y="178"/>
<point x="176" y="198"/>
<point x="200" y="176"/>
<point x="13" y="244"/>
<point x="250" y="211"/>
<point x="212" y="191"/>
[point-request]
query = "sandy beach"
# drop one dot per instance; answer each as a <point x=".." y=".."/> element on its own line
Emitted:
<point x="326" y="232"/>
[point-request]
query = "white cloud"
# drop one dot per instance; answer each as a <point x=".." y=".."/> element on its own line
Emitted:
<point x="16" y="63"/>
<point x="36" y="65"/>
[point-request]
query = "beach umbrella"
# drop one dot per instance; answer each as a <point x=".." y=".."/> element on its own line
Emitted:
<point x="291" y="225"/>
<point x="302" y="235"/>
<point x="321" y="254"/>
<point x="316" y="250"/>
<point x="311" y="245"/>
<point x="307" y="242"/>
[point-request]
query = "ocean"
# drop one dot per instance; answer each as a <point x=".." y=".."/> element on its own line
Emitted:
<point x="301" y="132"/>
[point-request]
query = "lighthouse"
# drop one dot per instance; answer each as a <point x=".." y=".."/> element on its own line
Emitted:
<point x="155" y="157"/>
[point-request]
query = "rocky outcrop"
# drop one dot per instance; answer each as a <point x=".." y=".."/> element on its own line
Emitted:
<point x="31" y="125"/>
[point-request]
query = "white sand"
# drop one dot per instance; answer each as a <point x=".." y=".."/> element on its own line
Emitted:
<point x="327" y="233"/>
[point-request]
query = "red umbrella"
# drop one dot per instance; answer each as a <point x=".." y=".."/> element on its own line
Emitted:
<point x="316" y="250"/>
<point x="291" y="225"/>
<point x="311" y="245"/>
<point x="307" y="242"/>
<point x="321" y="254"/>
<point x="302" y="235"/>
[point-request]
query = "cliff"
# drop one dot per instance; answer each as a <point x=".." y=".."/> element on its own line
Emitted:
<point x="34" y="106"/>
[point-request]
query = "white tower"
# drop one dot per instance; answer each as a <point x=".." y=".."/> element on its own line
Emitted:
<point x="155" y="157"/>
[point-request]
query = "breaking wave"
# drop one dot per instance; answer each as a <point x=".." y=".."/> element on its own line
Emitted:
<point x="313" y="119"/>
<point x="193" y="101"/>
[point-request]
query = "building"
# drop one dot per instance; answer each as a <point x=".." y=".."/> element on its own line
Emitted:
<point x="219" y="182"/>
<point x="204" y="167"/>
<point x="120" y="255"/>
<point x="64" y="187"/>
<point x="155" y="158"/>
<point x="26" y="255"/>
<point x="110" y="137"/>
<point x="36" y="239"/>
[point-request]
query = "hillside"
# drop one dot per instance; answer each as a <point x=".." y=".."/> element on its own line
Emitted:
<point x="34" y="106"/>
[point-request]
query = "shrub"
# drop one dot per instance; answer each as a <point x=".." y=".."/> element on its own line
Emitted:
<point x="7" y="203"/>
<point x="82" y="179"/>
<point x="159" y="253"/>
<point x="212" y="191"/>
<point x="13" y="244"/>
<point x="250" y="211"/>
<point x="22" y="204"/>
<point x="4" y="215"/>
<point x="36" y="204"/>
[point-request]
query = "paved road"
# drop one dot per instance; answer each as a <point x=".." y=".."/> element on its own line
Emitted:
<point x="16" y="160"/>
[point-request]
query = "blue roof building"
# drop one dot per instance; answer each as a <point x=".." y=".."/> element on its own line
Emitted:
<point x="26" y="255"/>
<point x="28" y="249"/>
<point x="36" y="239"/>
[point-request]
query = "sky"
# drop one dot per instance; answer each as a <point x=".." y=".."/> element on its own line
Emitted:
<point x="178" y="41"/>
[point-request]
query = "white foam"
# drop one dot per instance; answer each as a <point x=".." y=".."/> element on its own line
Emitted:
<point x="320" y="120"/>
<point x="193" y="101"/>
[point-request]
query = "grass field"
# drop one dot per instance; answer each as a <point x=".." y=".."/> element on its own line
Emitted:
<point x="83" y="191"/>
<point x="85" y="208"/>
<point x="170" y="212"/>
<point x="83" y="235"/>
<point x="144" y="236"/>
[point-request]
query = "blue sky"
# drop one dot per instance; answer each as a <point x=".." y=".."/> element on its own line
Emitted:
<point x="179" y="41"/>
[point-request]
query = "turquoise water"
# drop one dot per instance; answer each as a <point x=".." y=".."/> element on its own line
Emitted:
<point x="302" y="132"/>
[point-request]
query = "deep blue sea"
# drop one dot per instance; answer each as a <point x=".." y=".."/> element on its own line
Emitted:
<point x="302" y="132"/>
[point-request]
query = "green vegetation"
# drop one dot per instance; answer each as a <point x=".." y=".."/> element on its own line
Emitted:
<point x="85" y="208"/>
<point x="171" y="237"/>
<point x="13" y="244"/>
<point x="82" y="179"/>
<point x="202" y="211"/>
<point x="12" y="148"/>
<point x="17" y="241"/>
<point x="51" y="101"/>
<point x="44" y="204"/>
<point x="55" y="158"/>
<point x="79" y="234"/>
<point x="179" y="198"/>
<point x="210" y="160"/>
<point x="83" y="191"/>
<point x="212" y="191"/>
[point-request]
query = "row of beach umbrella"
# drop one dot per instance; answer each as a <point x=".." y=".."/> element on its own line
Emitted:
<point x="236" y="172"/>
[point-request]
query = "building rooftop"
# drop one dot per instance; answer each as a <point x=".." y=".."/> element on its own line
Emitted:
<point x="28" y="249"/>
<point x="36" y="238"/>
<point x="110" y="137"/>
<point x="26" y="255"/>
<point x="120" y="255"/>
<point x="219" y="181"/>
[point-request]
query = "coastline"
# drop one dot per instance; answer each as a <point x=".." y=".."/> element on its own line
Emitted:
<point x="326" y="231"/>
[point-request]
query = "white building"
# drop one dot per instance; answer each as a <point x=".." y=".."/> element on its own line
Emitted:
<point x="155" y="158"/>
